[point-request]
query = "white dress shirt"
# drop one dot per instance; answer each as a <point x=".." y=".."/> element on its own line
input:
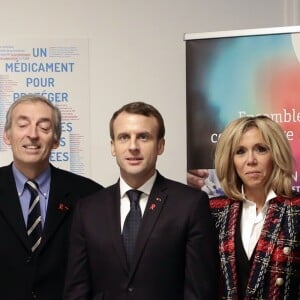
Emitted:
<point x="252" y="223"/>
<point x="125" y="202"/>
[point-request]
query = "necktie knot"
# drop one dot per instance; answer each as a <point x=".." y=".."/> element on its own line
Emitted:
<point x="134" y="197"/>
<point x="32" y="186"/>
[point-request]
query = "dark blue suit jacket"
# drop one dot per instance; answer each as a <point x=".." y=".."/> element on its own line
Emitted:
<point x="23" y="276"/>
<point x="175" y="257"/>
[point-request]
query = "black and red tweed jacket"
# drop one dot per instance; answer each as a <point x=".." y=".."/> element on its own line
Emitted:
<point x="275" y="273"/>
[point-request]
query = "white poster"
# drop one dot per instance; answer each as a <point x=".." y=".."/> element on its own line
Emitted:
<point x="57" y="69"/>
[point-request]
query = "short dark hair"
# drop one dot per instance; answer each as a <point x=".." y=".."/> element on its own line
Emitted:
<point x="139" y="108"/>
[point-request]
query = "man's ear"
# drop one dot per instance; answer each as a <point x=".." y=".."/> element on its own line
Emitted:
<point x="161" y="146"/>
<point x="112" y="148"/>
<point x="6" y="138"/>
<point x="55" y="145"/>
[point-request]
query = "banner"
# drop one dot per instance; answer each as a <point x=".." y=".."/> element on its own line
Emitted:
<point x="232" y="74"/>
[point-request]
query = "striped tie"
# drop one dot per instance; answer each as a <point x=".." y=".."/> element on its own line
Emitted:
<point x="34" y="222"/>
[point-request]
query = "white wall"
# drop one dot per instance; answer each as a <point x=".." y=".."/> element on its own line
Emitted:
<point x="137" y="52"/>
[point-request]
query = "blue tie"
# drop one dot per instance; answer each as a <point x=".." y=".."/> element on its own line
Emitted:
<point x="132" y="223"/>
<point x="34" y="222"/>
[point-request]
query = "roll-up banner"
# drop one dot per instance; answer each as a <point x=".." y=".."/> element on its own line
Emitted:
<point x="231" y="74"/>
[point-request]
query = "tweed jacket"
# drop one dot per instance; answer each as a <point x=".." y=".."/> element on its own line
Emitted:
<point x="275" y="272"/>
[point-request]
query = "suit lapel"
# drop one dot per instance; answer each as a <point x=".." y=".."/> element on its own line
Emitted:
<point x="59" y="204"/>
<point x="10" y="206"/>
<point x="266" y="244"/>
<point x="152" y="211"/>
<point x="114" y="222"/>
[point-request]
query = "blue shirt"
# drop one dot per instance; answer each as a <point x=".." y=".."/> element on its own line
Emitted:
<point x="43" y="182"/>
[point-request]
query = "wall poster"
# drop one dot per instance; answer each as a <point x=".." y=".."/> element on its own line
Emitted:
<point x="59" y="70"/>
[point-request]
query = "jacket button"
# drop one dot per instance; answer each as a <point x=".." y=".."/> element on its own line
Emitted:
<point x="279" y="281"/>
<point x="28" y="259"/>
<point x="33" y="295"/>
<point x="287" y="250"/>
<point x="130" y="289"/>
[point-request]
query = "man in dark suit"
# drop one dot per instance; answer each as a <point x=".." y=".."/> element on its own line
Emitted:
<point x="174" y="256"/>
<point x="35" y="271"/>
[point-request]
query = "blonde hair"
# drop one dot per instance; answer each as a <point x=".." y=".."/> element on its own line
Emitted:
<point x="283" y="162"/>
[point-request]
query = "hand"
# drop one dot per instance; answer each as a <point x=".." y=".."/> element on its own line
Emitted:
<point x="196" y="178"/>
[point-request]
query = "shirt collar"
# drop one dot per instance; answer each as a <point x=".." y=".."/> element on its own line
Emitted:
<point x="145" y="188"/>
<point x="271" y="194"/>
<point x="43" y="180"/>
<point x="247" y="203"/>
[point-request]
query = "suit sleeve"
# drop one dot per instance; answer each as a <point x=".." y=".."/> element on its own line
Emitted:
<point x="202" y="258"/>
<point x="77" y="283"/>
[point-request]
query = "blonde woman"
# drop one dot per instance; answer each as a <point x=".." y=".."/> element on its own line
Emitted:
<point x="258" y="221"/>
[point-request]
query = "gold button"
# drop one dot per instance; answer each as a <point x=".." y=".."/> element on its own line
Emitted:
<point x="287" y="250"/>
<point x="279" y="281"/>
